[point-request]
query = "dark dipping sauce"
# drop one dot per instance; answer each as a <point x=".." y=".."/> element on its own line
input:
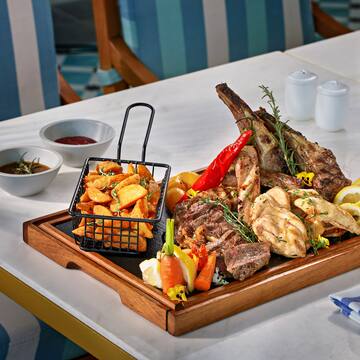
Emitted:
<point x="13" y="168"/>
<point x="75" y="140"/>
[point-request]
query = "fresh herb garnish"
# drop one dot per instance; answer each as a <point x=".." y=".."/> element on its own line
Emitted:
<point x="278" y="126"/>
<point x="26" y="167"/>
<point x="232" y="218"/>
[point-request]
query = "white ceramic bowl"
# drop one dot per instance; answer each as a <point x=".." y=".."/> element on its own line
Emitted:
<point x="25" y="185"/>
<point x="75" y="155"/>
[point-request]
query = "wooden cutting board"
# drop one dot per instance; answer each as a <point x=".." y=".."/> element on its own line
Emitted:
<point x="51" y="235"/>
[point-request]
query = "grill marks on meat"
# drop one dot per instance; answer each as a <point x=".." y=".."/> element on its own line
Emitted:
<point x="248" y="178"/>
<point x="271" y="179"/>
<point x="269" y="153"/>
<point x="198" y="223"/>
<point x="244" y="260"/>
<point x="311" y="157"/>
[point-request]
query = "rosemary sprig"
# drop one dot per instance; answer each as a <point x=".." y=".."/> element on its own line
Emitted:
<point x="26" y="167"/>
<point x="232" y="218"/>
<point x="278" y="126"/>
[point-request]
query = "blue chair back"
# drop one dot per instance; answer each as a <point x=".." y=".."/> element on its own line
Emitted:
<point x="173" y="37"/>
<point x="28" y="78"/>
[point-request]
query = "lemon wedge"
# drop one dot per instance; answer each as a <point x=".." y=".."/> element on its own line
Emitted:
<point x="188" y="267"/>
<point x="151" y="272"/>
<point x="353" y="209"/>
<point x="348" y="194"/>
<point x="356" y="182"/>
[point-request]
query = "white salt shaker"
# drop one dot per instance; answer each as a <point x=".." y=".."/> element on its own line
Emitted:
<point x="300" y="95"/>
<point x="331" y="105"/>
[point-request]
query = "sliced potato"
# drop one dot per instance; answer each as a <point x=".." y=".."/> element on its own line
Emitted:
<point x="141" y="206"/>
<point x="115" y="206"/>
<point x="131" y="169"/>
<point x="80" y="231"/>
<point x="144" y="172"/>
<point x="128" y="195"/>
<point x="102" y="234"/>
<point x="137" y="213"/>
<point x="115" y="179"/>
<point x="100" y="183"/>
<point x="84" y="197"/>
<point x="132" y="179"/>
<point x="188" y="177"/>
<point x="91" y="177"/>
<point x="133" y="242"/>
<point x="98" y="196"/>
<point x="102" y="210"/>
<point x="109" y="166"/>
<point x="86" y="206"/>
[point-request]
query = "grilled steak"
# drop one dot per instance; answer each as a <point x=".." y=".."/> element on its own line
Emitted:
<point x="269" y="153"/>
<point x="244" y="260"/>
<point x="311" y="157"/>
<point x="198" y="222"/>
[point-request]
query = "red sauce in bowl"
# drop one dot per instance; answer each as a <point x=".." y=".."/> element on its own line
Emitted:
<point x="75" y="140"/>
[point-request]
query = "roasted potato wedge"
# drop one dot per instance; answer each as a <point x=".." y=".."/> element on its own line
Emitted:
<point x="91" y="177"/>
<point x="131" y="169"/>
<point x="84" y="197"/>
<point x="86" y="206"/>
<point x="144" y="172"/>
<point x="100" y="183"/>
<point x="128" y="195"/>
<point x="80" y="231"/>
<point x="108" y="166"/>
<point x="132" y="179"/>
<point x="102" y="210"/>
<point x="98" y="196"/>
<point x="135" y="243"/>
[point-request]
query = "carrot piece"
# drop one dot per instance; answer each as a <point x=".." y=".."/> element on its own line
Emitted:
<point x="203" y="281"/>
<point x="170" y="272"/>
<point x="170" y="268"/>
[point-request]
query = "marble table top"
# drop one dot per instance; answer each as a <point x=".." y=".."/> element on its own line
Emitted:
<point x="191" y="125"/>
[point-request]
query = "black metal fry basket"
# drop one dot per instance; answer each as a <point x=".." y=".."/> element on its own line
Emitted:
<point x="119" y="234"/>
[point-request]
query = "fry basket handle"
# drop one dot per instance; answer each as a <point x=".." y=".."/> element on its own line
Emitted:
<point x="148" y="130"/>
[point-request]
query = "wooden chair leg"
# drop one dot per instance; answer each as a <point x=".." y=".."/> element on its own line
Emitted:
<point x="67" y="93"/>
<point x="113" y="52"/>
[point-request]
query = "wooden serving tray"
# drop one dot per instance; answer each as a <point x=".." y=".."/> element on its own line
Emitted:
<point x="50" y="235"/>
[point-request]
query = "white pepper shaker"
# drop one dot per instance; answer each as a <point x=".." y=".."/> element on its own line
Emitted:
<point x="331" y="105"/>
<point x="300" y="95"/>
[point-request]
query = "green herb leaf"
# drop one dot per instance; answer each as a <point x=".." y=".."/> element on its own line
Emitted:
<point x="232" y="218"/>
<point x="278" y="126"/>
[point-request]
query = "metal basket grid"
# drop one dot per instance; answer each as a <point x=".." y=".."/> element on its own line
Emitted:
<point x="118" y="234"/>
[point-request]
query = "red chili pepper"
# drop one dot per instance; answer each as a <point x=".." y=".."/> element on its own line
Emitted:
<point x="216" y="171"/>
<point x="201" y="253"/>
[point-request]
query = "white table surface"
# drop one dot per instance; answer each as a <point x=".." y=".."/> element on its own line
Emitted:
<point x="340" y="54"/>
<point x="191" y="125"/>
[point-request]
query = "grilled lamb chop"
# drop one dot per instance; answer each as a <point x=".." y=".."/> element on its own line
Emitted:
<point x="244" y="260"/>
<point x="271" y="179"/>
<point x="269" y="153"/>
<point x="311" y="157"/>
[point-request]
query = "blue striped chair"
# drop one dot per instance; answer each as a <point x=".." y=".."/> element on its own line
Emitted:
<point x="29" y="80"/>
<point x="165" y="38"/>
